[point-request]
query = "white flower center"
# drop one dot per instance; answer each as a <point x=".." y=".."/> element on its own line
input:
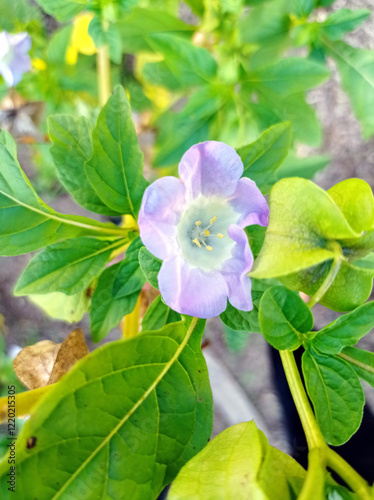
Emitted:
<point x="202" y="232"/>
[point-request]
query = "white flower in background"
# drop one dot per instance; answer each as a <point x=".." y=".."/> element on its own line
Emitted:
<point x="14" y="57"/>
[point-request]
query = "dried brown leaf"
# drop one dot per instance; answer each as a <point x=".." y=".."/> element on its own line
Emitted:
<point x="46" y="362"/>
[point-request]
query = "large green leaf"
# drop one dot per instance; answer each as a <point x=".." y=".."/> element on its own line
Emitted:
<point x="342" y="21"/>
<point x="63" y="10"/>
<point x="116" y="293"/>
<point x="262" y="158"/>
<point x="356" y="68"/>
<point x="362" y="362"/>
<point x="304" y="222"/>
<point x="188" y="64"/>
<point x="138" y="24"/>
<point x="68" y="266"/>
<point x="289" y="76"/>
<point x="26" y="222"/>
<point x="336" y="394"/>
<point x="284" y="318"/>
<point x="346" y="330"/>
<point x="115" y="168"/>
<point x="72" y="147"/>
<point x="68" y="308"/>
<point x="122" y="423"/>
<point x="240" y="464"/>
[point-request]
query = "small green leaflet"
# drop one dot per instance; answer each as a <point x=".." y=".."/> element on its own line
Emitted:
<point x="26" y="222"/>
<point x="68" y="266"/>
<point x="362" y="361"/>
<point x="343" y="21"/>
<point x="356" y="68"/>
<point x="346" y="330"/>
<point x="284" y="318"/>
<point x="150" y="266"/>
<point x="115" y="169"/>
<point x="116" y="293"/>
<point x="240" y="464"/>
<point x="158" y="315"/>
<point x="262" y="158"/>
<point x="336" y="394"/>
<point x="126" y="418"/>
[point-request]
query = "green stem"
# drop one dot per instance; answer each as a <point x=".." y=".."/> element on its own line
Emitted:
<point x="349" y="475"/>
<point x="314" y="482"/>
<point x="326" y="283"/>
<point x="312" y="432"/>
<point x="103" y="72"/>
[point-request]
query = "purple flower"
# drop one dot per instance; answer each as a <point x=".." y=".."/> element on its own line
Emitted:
<point x="195" y="225"/>
<point x="14" y="58"/>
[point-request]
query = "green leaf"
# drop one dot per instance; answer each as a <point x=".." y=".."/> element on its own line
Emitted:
<point x="12" y="14"/>
<point x="362" y="362"/>
<point x="66" y="267"/>
<point x="130" y="278"/>
<point x="238" y="463"/>
<point x="247" y="320"/>
<point x="68" y="308"/>
<point x="116" y="293"/>
<point x="58" y="45"/>
<point x="272" y="109"/>
<point x="110" y="37"/>
<point x="125" y="419"/>
<point x="72" y="147"/>
<point x="355" y="199"/>
<point x="304" y="222"/>
<point x="158" y="315"/>
<point x="150" y="266"/>
<point x="346" y="330"/>
<point x="289" y="76"/>
<point x="256" y="237"/>
<point x="356" y="68"/>
<point x="63" y="10"/>
<point x="302" y="8"/>
<point x="341" y="22"/>
<point x="235" y="340"/>
<point x="192" y="123"/>
<point x="136" y="26"/>
<point x="284" y="318"/>
<point x="26" y="222"/>
<point x="189" y="64"/>
<point x="336" y="394"/>
<point x="262" y="158"/>
<point x="115" y="168"/>
<point x="302" y="167"/>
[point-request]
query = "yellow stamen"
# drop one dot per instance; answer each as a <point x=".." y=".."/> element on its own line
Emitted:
<point x="198" y="222"/>
<point x="197" y="242"/>
<point x="207" y="232"/>
<point x="213" y="220"/>
<point x="209" y="248"/>
<point x="219" y="235"/>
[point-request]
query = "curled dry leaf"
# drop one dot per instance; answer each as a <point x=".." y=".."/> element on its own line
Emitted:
<point x="46" y="362"/>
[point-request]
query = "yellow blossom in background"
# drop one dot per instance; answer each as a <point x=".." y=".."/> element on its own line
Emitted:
<point x="38" y="64"/>
<point x="159" y="96"/>
<point x="80" y="39"/>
